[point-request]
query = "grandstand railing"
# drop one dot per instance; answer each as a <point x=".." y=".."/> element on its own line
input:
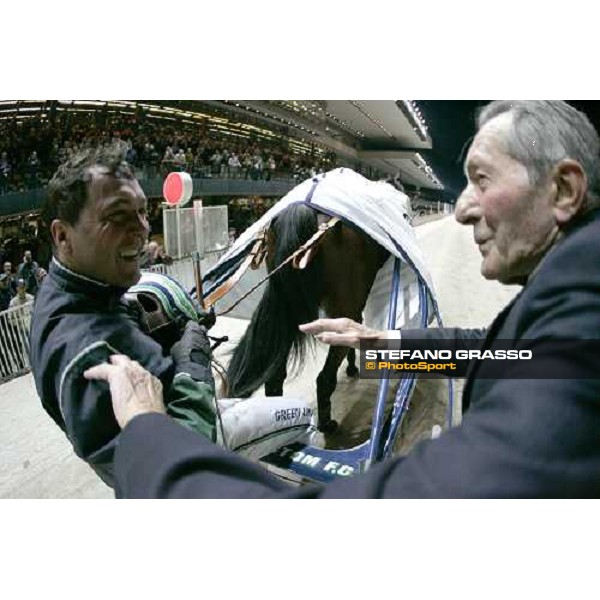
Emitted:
<point x="19" y="202"/>
<point x="14" y="341"/>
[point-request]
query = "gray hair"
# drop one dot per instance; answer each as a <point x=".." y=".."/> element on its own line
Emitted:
<point x="559" y="131"/>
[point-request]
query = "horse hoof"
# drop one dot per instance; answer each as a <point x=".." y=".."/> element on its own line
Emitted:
<point x="328" y="427"/>
<point x="351" y="371"/>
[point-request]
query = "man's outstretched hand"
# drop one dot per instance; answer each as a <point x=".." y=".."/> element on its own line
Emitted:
<point x="134" y="390"/>
<point x="341" y="332"/>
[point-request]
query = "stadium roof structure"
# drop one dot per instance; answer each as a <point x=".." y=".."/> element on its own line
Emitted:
<point x="386" y="134"/>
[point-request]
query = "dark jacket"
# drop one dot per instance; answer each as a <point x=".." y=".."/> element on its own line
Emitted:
<point x="28" y="271"/>
<point x="519" y="437"/>
<point x="77" y="323"/>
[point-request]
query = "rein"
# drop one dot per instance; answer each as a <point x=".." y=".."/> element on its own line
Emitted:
<point x="299" y="259"/>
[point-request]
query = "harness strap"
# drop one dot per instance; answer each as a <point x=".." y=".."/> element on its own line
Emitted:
<point x="252" y="260"/>
<point x="298" y="255"/>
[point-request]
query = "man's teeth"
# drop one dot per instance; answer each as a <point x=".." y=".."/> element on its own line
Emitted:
<point x="130" y="254"/>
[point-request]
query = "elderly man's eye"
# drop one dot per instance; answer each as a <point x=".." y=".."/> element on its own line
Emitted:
<point x="482" y="179"/>
<point x="117" y="217"/>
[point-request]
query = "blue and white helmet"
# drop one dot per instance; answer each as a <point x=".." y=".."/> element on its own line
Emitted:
<point x="162" y="306"/>
<point x="175" y="301"/>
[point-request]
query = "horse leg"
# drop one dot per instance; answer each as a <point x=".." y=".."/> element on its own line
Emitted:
<point x="326" y="384"/>
<point x="351" y="369"/>
<point x="274" y="386"/>
<point x="350" y="264"/>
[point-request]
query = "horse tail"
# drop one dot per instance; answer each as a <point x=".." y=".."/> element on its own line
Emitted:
<point x="291" y="297"/>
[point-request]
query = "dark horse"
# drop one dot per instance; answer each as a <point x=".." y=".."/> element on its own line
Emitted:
<point x="338" y="279"/>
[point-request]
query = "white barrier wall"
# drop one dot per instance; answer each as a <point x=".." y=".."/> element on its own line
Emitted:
<point x="204" y="229"/>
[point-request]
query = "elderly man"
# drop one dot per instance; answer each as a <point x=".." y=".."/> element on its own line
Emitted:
<point x="96" y="211"/>
<point x="532" y="199"/>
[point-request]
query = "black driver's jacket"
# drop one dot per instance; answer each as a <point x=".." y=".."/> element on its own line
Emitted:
<point x="77" y="323"/>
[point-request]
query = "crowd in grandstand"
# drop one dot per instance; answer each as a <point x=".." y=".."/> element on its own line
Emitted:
<point x="31" y="149"/>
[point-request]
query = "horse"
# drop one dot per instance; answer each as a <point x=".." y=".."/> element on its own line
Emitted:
<point x="337" y="279"/>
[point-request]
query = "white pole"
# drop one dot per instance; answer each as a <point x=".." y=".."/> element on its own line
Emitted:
<point x="178" y="224"/>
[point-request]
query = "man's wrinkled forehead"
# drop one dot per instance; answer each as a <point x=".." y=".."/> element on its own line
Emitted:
<point x="97" y="172"/>
<point x="491" y="138"/>
<point x="105" y="184"/>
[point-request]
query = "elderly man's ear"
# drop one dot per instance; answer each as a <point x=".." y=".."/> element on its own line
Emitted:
<point x="571" y="190"/>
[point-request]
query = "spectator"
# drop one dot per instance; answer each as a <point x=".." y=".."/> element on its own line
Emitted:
<point x="33" y="165"/>
<point x="131" y="155"/>
<point x="189" y="160"/>
<point x="162" y="257"/>
<point x="215" y="160"/>
<point x="11" y="279"/>
<point x="180" y="161"/>
<point x="153" y="161"/>
<point x="154" y="254"/>
<point x="234" y="165"/>
<point x="247" y="164"/>
<point x="198" y="169"/>
<point x="27" y="271"/>
<point x="5" y="292"/>
<point x="20" y="324"/>
<point x="4" y="173"/>
<point x="168" y="160"/>
<point x="270" y="170"/>
<point x="22" y="296"/>
<point x="257" y="166"/>
<point x="149" y="255"/>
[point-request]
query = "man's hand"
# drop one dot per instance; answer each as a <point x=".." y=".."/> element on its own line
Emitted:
<point x="192" y="354"/>
<point x="342" y="332"/>
<point x="206" y="318"/>
<point x="134" y="390"/>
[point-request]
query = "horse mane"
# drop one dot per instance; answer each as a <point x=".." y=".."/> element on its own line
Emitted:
<point x="291" y="297"/>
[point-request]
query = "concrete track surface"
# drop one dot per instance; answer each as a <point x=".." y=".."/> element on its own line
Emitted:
<point x="37" y="460"/>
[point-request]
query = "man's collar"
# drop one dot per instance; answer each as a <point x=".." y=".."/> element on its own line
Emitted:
<point x="72" y="275"/>
<point x="562" y="234"/>
<point x="82" y="283"/>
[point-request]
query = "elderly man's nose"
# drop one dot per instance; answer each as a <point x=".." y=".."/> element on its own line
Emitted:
<point x="467" y="207"/>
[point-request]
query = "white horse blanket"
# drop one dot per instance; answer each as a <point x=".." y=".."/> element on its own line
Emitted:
<point x="378" y="209"/>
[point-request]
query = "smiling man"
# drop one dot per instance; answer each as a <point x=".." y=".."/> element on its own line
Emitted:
<point x="108" y="236"/>
<point x="96" y="211"/>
